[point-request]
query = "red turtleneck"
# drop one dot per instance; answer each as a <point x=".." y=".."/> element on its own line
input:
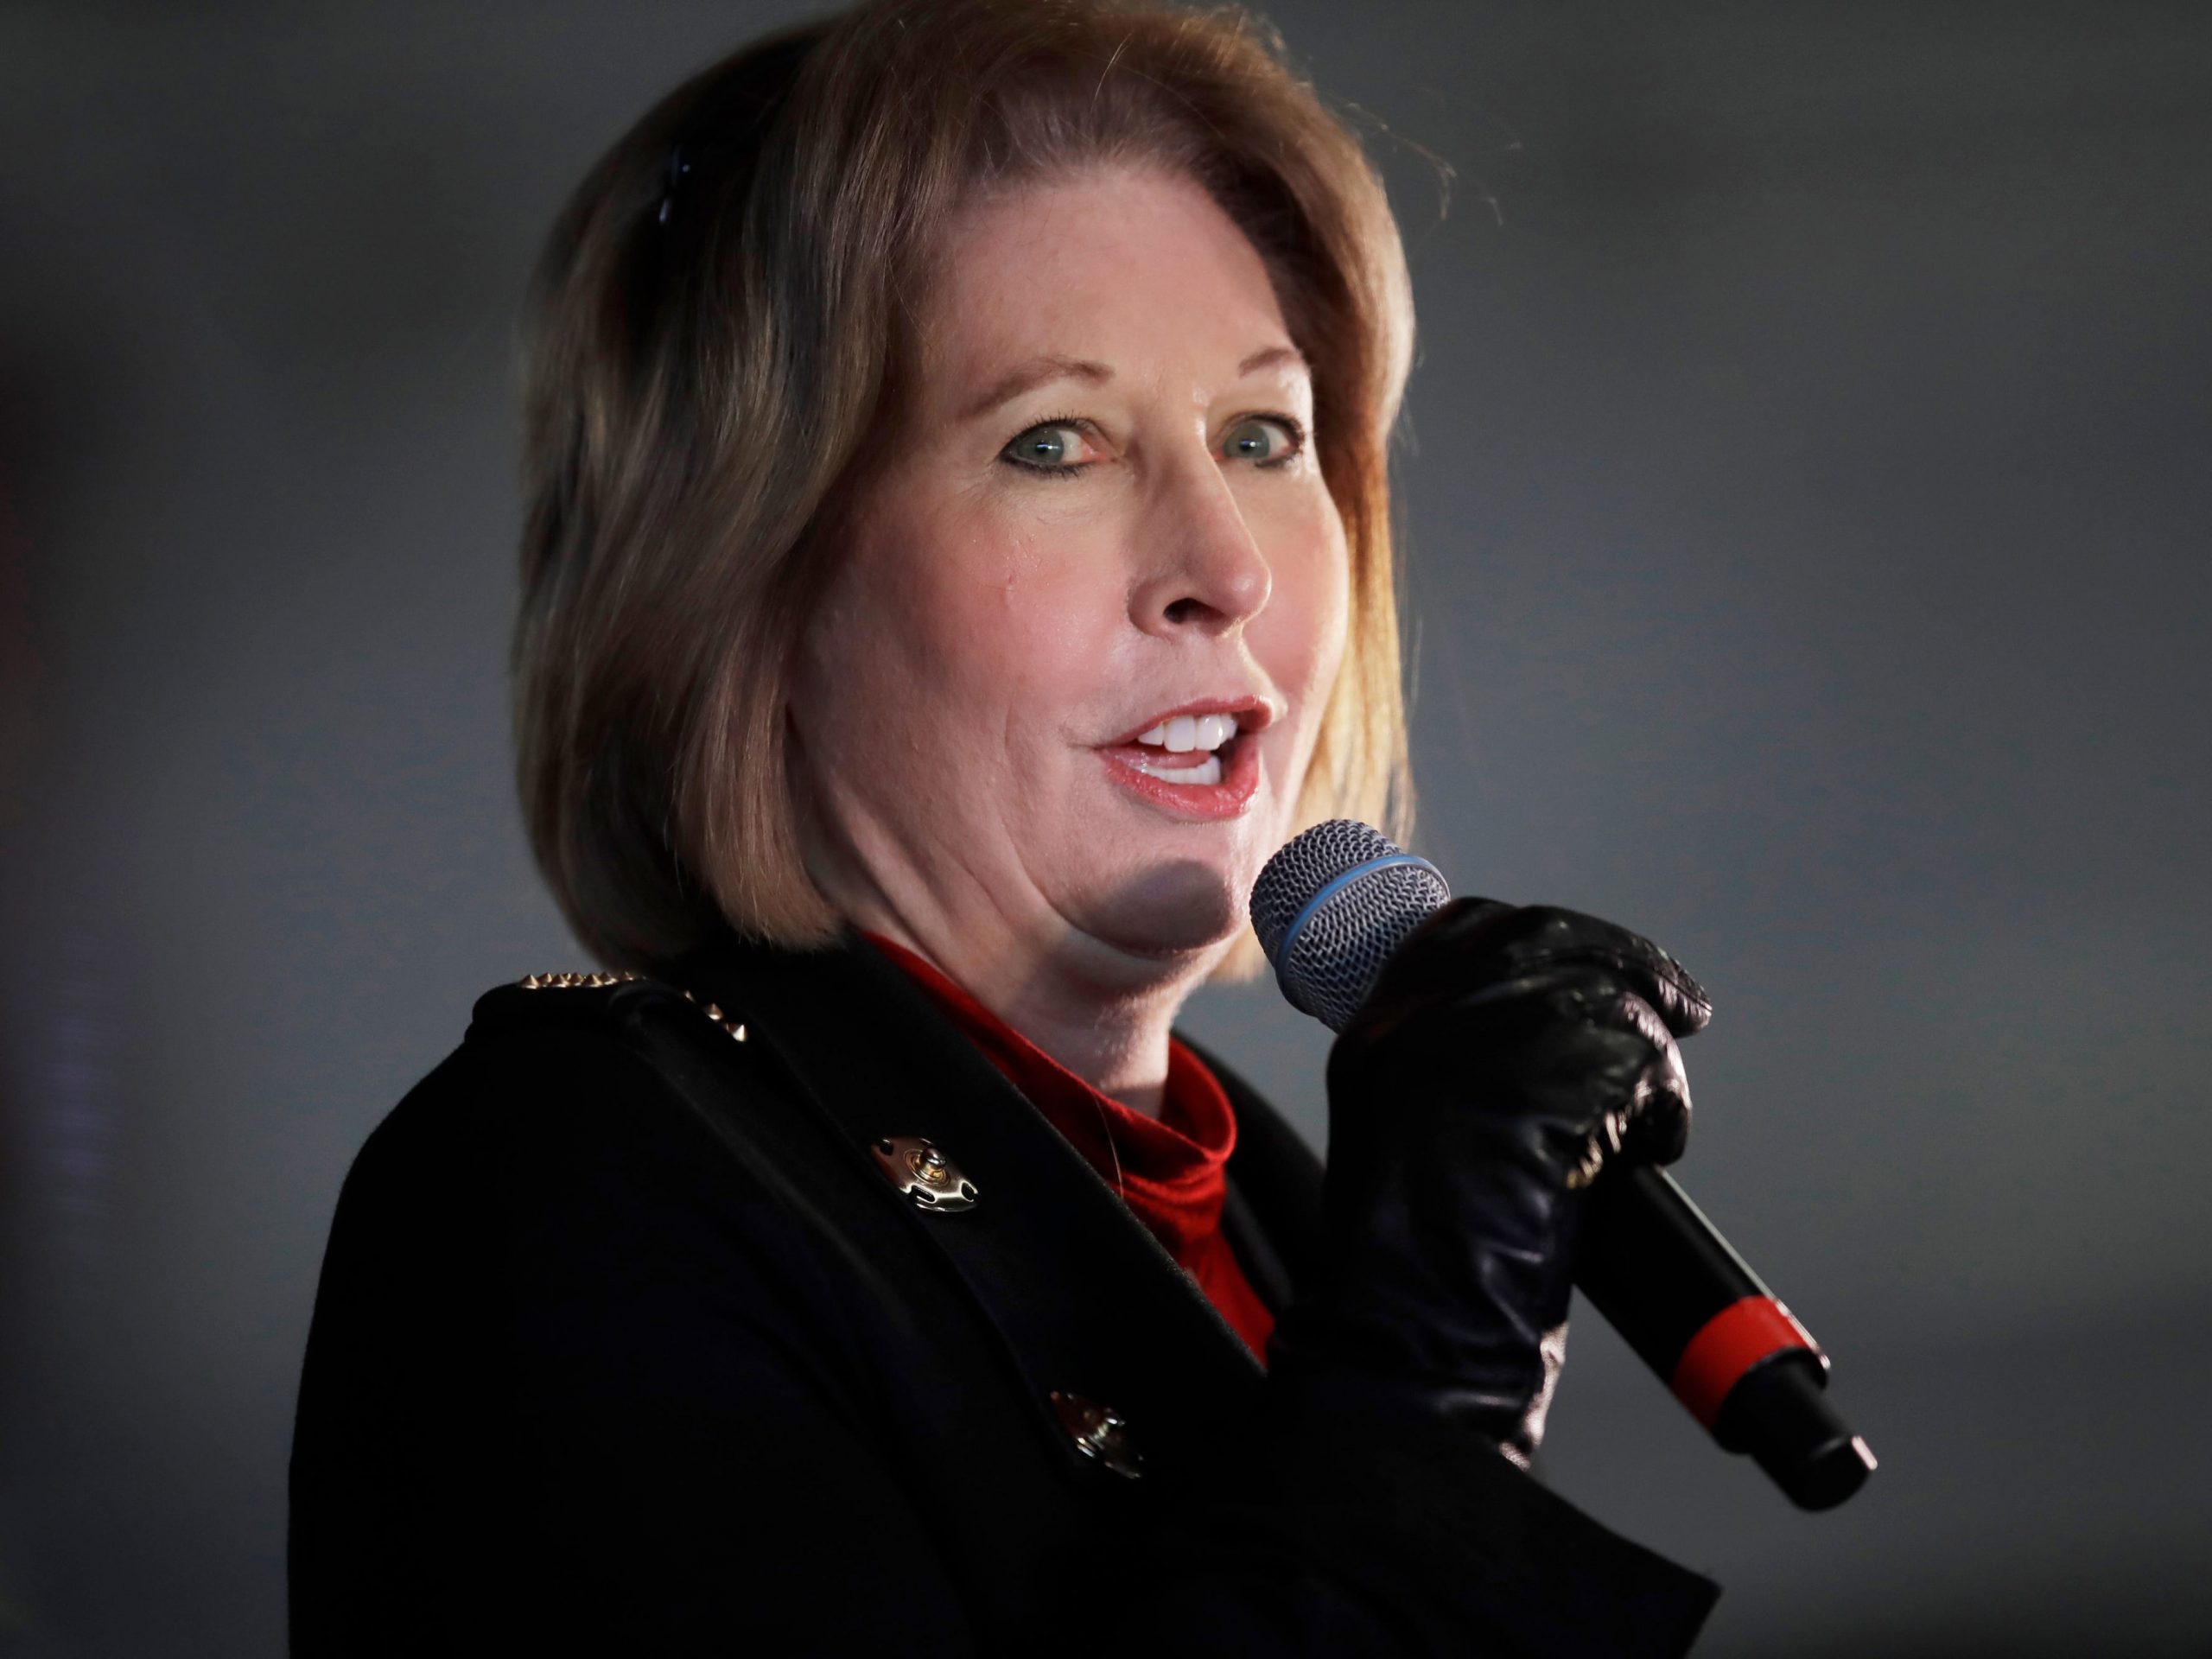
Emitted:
<point x="1172" y="1171"/>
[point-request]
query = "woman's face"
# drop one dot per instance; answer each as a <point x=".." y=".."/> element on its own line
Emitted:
<point x="1100" y="537"/>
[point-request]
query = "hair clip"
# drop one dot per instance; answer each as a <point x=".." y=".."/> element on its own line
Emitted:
<point x="723" y="124"/>
<point x="678" y="165"/>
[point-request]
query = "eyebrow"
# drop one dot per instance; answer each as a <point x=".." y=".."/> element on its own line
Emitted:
<point x="1039" y="371"/>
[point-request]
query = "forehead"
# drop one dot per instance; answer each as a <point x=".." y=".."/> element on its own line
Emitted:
<point x="1139" y="269"/>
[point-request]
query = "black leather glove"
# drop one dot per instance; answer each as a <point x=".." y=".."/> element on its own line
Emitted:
<point x="1504" y="1056"/>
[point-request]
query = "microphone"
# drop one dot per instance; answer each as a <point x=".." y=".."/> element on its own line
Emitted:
<point x="1330" y="908"/>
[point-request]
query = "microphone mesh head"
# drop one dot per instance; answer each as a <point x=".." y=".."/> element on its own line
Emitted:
<point x="1326" y="959"/>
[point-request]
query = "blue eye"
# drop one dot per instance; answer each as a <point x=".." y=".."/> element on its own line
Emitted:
<point x="1268" y="440"/>
<point x="1046" y="448"/>
<point x="1051" y="448"/>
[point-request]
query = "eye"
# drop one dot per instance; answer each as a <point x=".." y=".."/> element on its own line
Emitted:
<point x="1052" y="445"/>
<point x="1055" y="446"/>
<point x="1265" y="440"/>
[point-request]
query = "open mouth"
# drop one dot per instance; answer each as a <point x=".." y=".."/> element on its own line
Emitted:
<point x="1188" y="749"/>
<point x="1201" y="767"/>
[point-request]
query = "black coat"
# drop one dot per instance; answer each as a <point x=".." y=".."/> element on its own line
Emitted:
<point x="626" y="1343"/>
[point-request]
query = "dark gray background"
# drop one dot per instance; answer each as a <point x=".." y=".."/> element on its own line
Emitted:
<point x="1806" y="515"/>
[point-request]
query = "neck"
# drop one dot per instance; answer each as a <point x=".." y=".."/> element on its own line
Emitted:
<point x="1101" y="1011"/>
<point x="1111" y="1033"/>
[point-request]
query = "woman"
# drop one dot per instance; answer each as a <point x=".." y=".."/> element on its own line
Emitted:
<point x="956" y="559"/>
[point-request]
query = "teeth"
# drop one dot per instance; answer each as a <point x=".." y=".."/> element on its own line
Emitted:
<point x="1208" y="770"/>
<point x="1187" y="732"/>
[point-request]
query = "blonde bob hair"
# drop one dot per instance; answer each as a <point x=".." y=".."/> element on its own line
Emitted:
<point x="722" y="315"/>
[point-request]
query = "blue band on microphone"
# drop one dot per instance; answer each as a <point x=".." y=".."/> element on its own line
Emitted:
<point x="1328" y="890"/>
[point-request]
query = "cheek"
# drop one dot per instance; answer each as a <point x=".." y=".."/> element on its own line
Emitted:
<point x="953" y="628"/>
<point x="1304" y="628"/>
<point x="1017" y="626"/>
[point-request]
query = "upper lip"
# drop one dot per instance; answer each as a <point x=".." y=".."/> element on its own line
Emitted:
<point x="1253" y="714"/>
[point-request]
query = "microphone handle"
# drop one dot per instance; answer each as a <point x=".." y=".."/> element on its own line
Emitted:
<point x="1695" y="1314"/>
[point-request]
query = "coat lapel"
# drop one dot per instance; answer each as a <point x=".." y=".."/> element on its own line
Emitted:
<point x="1090" y="1302"/>
<point x="1273" y="1213"/>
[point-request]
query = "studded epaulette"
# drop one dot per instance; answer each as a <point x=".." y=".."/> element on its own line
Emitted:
<point x="617" y="992"/>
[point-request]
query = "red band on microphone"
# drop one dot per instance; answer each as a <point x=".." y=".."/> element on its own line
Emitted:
<point x="1729" y="1343"/>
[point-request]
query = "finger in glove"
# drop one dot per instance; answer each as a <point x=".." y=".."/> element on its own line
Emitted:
<point x="1473" y="942"/>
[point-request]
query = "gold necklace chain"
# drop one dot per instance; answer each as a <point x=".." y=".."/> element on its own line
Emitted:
<point x="1106" y="1123"/>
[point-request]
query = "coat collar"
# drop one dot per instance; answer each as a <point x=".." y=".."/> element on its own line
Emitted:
<point x="1088" y="1301"/>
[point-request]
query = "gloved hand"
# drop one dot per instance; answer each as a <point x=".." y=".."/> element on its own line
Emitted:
<point x="1504" y="1054"/>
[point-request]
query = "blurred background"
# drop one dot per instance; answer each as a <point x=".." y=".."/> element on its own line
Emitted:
<point x="1807" y="493"/>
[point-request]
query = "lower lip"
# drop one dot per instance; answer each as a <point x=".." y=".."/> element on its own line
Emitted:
<point x="1202" y="803"/>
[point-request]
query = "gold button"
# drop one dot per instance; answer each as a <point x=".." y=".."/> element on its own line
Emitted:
<point x="913" y="1165"/>
<point x="1100" y="1432"/>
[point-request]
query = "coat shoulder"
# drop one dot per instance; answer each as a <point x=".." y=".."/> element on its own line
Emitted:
<point x="612" y="1002"/>
<point x="576" y="1037"/>
<point x="587" y="1059"/>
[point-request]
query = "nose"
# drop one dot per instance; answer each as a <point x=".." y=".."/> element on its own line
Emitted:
<point x="1208" y="572"/>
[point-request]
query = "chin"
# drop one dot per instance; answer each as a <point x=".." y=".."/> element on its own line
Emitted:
<point x="1178" y="907"/>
